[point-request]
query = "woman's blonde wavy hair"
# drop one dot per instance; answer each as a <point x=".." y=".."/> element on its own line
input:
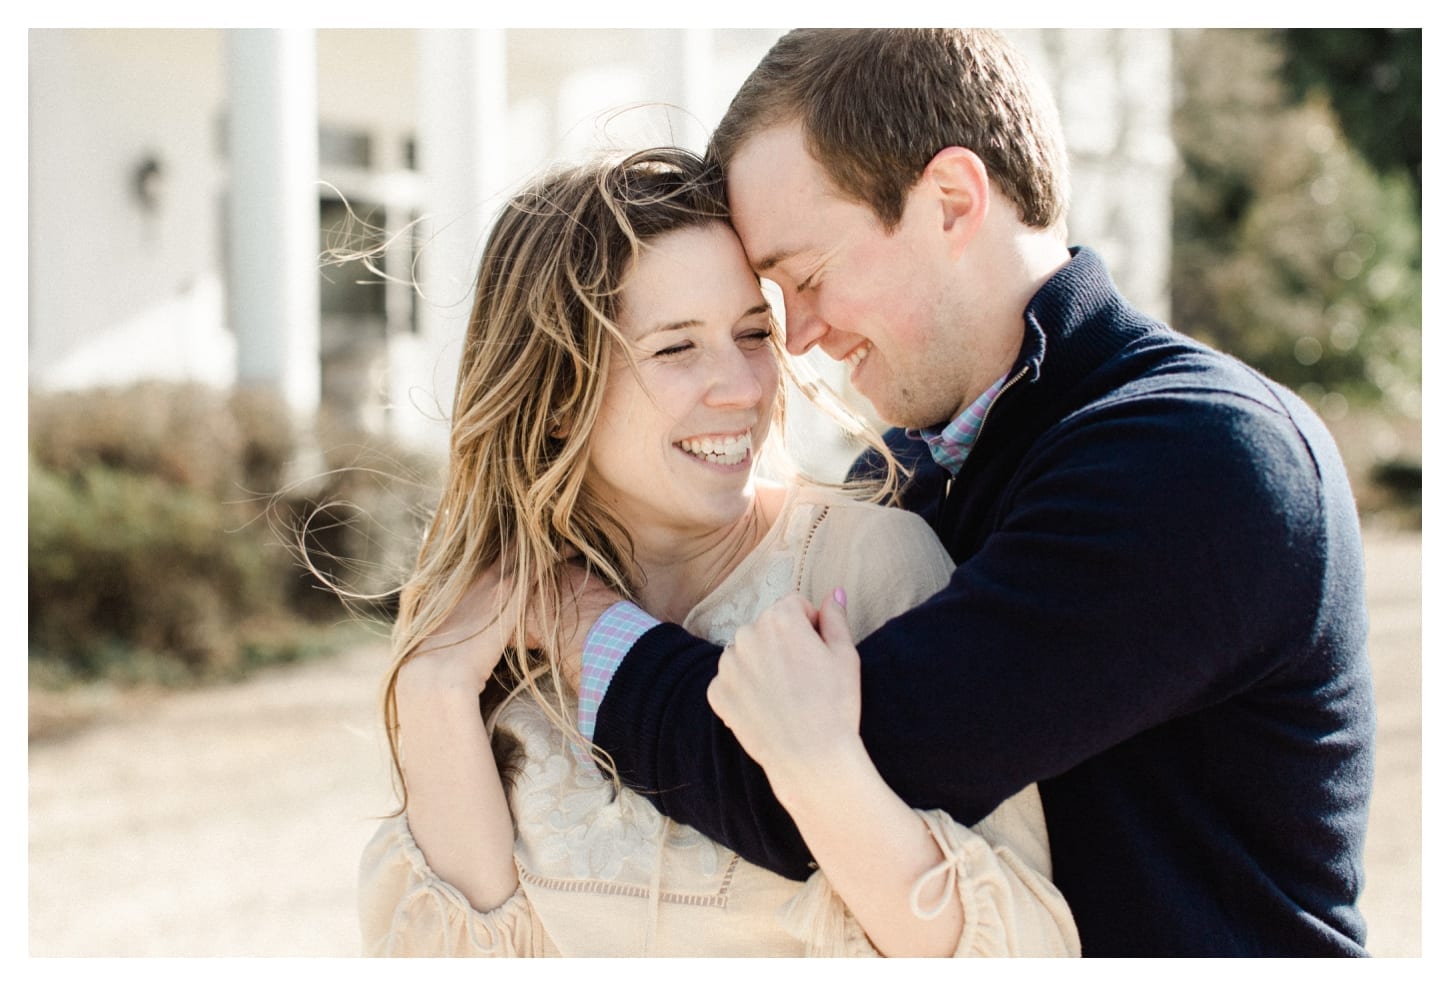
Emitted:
<point x="532" y="376"/>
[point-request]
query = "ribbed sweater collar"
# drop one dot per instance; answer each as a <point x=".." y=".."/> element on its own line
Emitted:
<point x="1077" y="320"/>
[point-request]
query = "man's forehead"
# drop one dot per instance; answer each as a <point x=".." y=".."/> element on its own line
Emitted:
<point x="770" y="169"/>
<point x="770" y="221"/>
<point x="782" y="202"/>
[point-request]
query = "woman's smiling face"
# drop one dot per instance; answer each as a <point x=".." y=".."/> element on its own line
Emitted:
<point x="675" y="445"/>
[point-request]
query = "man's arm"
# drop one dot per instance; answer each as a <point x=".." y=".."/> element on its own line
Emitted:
<point x="709" y="779"/>
<point x="682" y="665"/>
<point x="1149" y="562"/>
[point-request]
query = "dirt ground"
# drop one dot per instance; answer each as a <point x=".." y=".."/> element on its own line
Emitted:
<point x="228" y="822"/>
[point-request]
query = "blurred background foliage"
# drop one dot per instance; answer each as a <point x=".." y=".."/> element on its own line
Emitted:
<point x="164" y="519"/>
<point x="168" y="525"/>
<point x="1296" y="236"/>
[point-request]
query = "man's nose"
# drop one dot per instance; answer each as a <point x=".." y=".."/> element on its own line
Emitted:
<point x="804" y="327"/>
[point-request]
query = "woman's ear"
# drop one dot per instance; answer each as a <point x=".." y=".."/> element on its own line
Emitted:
<point x="957" y="179"/>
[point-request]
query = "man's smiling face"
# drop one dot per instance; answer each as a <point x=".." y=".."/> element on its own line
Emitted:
<point x="876" y="299"/>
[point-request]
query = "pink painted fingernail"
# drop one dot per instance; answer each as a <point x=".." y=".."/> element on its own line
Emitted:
<point x="840" y="596"/>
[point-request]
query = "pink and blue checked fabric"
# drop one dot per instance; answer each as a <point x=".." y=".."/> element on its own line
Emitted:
<point x="611" y="637"/>
<point x="950" y="445"/>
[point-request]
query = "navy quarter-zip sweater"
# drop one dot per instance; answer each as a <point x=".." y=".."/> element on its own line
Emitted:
<point x="1158" y="616"/>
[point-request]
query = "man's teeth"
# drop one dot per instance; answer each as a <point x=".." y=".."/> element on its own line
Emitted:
<point x="858" y="354"/>
<point x="721" y="451"/>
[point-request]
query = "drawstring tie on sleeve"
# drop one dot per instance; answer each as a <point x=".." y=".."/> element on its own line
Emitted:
<point x="947" y="867"/>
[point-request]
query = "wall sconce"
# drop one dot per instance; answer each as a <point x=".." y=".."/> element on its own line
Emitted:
<point x="147" y="182"/>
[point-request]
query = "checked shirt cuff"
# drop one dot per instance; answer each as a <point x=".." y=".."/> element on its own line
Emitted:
<point x="611" y="637"/>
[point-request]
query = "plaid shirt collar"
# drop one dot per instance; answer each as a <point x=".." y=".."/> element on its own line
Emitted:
<point x="950" y="445"/>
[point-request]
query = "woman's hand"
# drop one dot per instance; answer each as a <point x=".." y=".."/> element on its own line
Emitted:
<point x="463" y="652"/>
<point x="789" y="687"/>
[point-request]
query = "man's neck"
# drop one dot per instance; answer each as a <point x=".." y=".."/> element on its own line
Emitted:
<point x="1016" y="261"/>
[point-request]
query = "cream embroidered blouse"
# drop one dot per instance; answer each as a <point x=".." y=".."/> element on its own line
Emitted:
<point x="607" y="875"/>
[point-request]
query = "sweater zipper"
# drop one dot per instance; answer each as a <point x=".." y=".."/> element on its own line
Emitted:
<point x="998" y="396"/>
<point x="1022" y="372"/>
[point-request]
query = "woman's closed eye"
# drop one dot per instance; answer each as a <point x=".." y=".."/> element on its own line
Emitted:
<point x="748" y="339"/>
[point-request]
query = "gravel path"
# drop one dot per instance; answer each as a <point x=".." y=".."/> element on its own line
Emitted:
<point x="1391" y="899"/>
<point x="228" y="822"/>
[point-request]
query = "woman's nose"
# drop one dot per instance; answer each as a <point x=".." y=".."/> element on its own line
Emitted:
<point x="737" y="382"/>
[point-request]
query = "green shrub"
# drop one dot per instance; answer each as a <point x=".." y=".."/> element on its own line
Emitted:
<point x="164" y="530"/>
<point x="183" y="434"/>
<point x="125" y="561"/>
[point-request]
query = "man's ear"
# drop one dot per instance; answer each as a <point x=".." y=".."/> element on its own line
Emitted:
<point x="958" y="179"/>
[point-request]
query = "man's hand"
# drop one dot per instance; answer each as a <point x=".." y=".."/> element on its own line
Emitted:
<point x="789" y="687"/>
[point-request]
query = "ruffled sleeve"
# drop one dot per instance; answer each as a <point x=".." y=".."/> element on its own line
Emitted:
<point x="406" y="910"/>
<point x="1008" y="907"/>
<point x="820" y="919"/>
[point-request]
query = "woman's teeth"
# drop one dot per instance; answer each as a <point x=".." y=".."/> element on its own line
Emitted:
<point x="719" y="451"/>
<point x="856" y="355"/>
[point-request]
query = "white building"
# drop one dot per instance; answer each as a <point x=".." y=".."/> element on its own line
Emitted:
<point x="181" y="181"/>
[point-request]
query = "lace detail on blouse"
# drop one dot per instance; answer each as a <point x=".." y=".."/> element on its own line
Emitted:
<point x="572" y="825"/>
<point x="752" y="588"/>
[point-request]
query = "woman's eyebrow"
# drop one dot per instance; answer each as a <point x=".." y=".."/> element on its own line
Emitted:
<point x="692" y="323"/>
<point x="688" y="323"/>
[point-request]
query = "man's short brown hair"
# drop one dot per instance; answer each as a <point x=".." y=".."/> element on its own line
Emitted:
<point x="876" y="105"/>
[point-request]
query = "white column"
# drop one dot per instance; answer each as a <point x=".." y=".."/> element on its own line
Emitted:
<point x="463" y="156"/>
<point x="273" y="213"/>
